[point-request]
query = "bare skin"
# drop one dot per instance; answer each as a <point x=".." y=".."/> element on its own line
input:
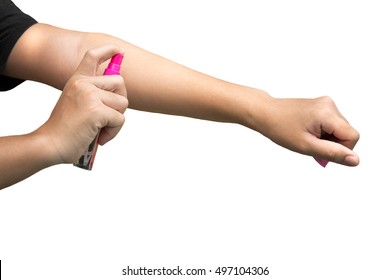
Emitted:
<point x="155" y="84"/>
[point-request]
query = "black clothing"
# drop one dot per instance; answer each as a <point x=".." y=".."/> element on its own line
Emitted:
<point x="13" y="23"/>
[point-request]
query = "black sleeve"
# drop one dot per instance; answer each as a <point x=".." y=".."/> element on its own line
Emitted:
<point x="13" y="23"/>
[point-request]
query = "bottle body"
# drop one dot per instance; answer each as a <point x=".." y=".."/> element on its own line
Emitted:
<point x="88" y="157"/>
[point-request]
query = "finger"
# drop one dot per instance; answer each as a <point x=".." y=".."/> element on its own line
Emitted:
<point x="114" y="101"/>
<point x="113" y="83"/>
<point x="115" y="121"/>
<point x="111" y="91"/>
<point x="340" y="131"/>
<point x="106" y="135"/>
<point x="335" y="152"/>
<point x="96" y="56"/>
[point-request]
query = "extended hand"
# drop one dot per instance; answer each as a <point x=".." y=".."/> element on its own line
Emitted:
<point x="313" y="127"/>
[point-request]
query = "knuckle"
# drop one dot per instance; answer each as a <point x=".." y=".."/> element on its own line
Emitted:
<point x="78" y="82"/>
<point x="324" y="108"/>
<point x="72" y="84"/>
<point x="77" y="85"/>
<point x="122" y="119"/>
<point x="123" y="102"/>
<point x="88" y="94"/>
<point x="356" y="136"/>
<point x="326" y="100"/>
<point x="118" y="80"/>
<point x="84" y="95"/>
<point x="332" y="154"/>
<point x="91" y="55"/>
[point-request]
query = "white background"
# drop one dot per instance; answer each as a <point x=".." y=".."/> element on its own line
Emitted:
<point x="172" y="191"/>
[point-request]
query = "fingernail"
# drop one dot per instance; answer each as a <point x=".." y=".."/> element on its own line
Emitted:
<point x="351" y="160"/>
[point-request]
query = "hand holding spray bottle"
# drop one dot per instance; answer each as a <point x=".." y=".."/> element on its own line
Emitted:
<point x="88" y="157"/>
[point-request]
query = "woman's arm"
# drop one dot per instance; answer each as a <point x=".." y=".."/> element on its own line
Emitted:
<point x="21" y="156"/>
<point x="87" y="104"/>
<point x="50" y="55"/>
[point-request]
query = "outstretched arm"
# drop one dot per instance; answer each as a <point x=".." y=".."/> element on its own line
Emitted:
<point x="157" y="84"/>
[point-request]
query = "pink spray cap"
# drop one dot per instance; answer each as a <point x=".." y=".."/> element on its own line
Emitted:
<point x="114" y="66"/>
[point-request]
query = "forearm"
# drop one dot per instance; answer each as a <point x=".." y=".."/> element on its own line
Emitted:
<point x="22" y="156"/>
<point x="153" y="83"/>
<point x="157" y="84"/>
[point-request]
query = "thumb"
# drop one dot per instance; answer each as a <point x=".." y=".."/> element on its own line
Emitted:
<point x="335" y="152"/>
<point x="93" y="58"/>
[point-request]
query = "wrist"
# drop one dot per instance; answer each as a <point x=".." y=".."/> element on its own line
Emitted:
<point x="256" y="110"/>
<point x="45" y="149"/>
<point x="22" y="156"/>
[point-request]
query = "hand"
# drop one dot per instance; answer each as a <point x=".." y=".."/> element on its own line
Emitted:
<point x="88" y="103"/>
<point x="313" y="127"/>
